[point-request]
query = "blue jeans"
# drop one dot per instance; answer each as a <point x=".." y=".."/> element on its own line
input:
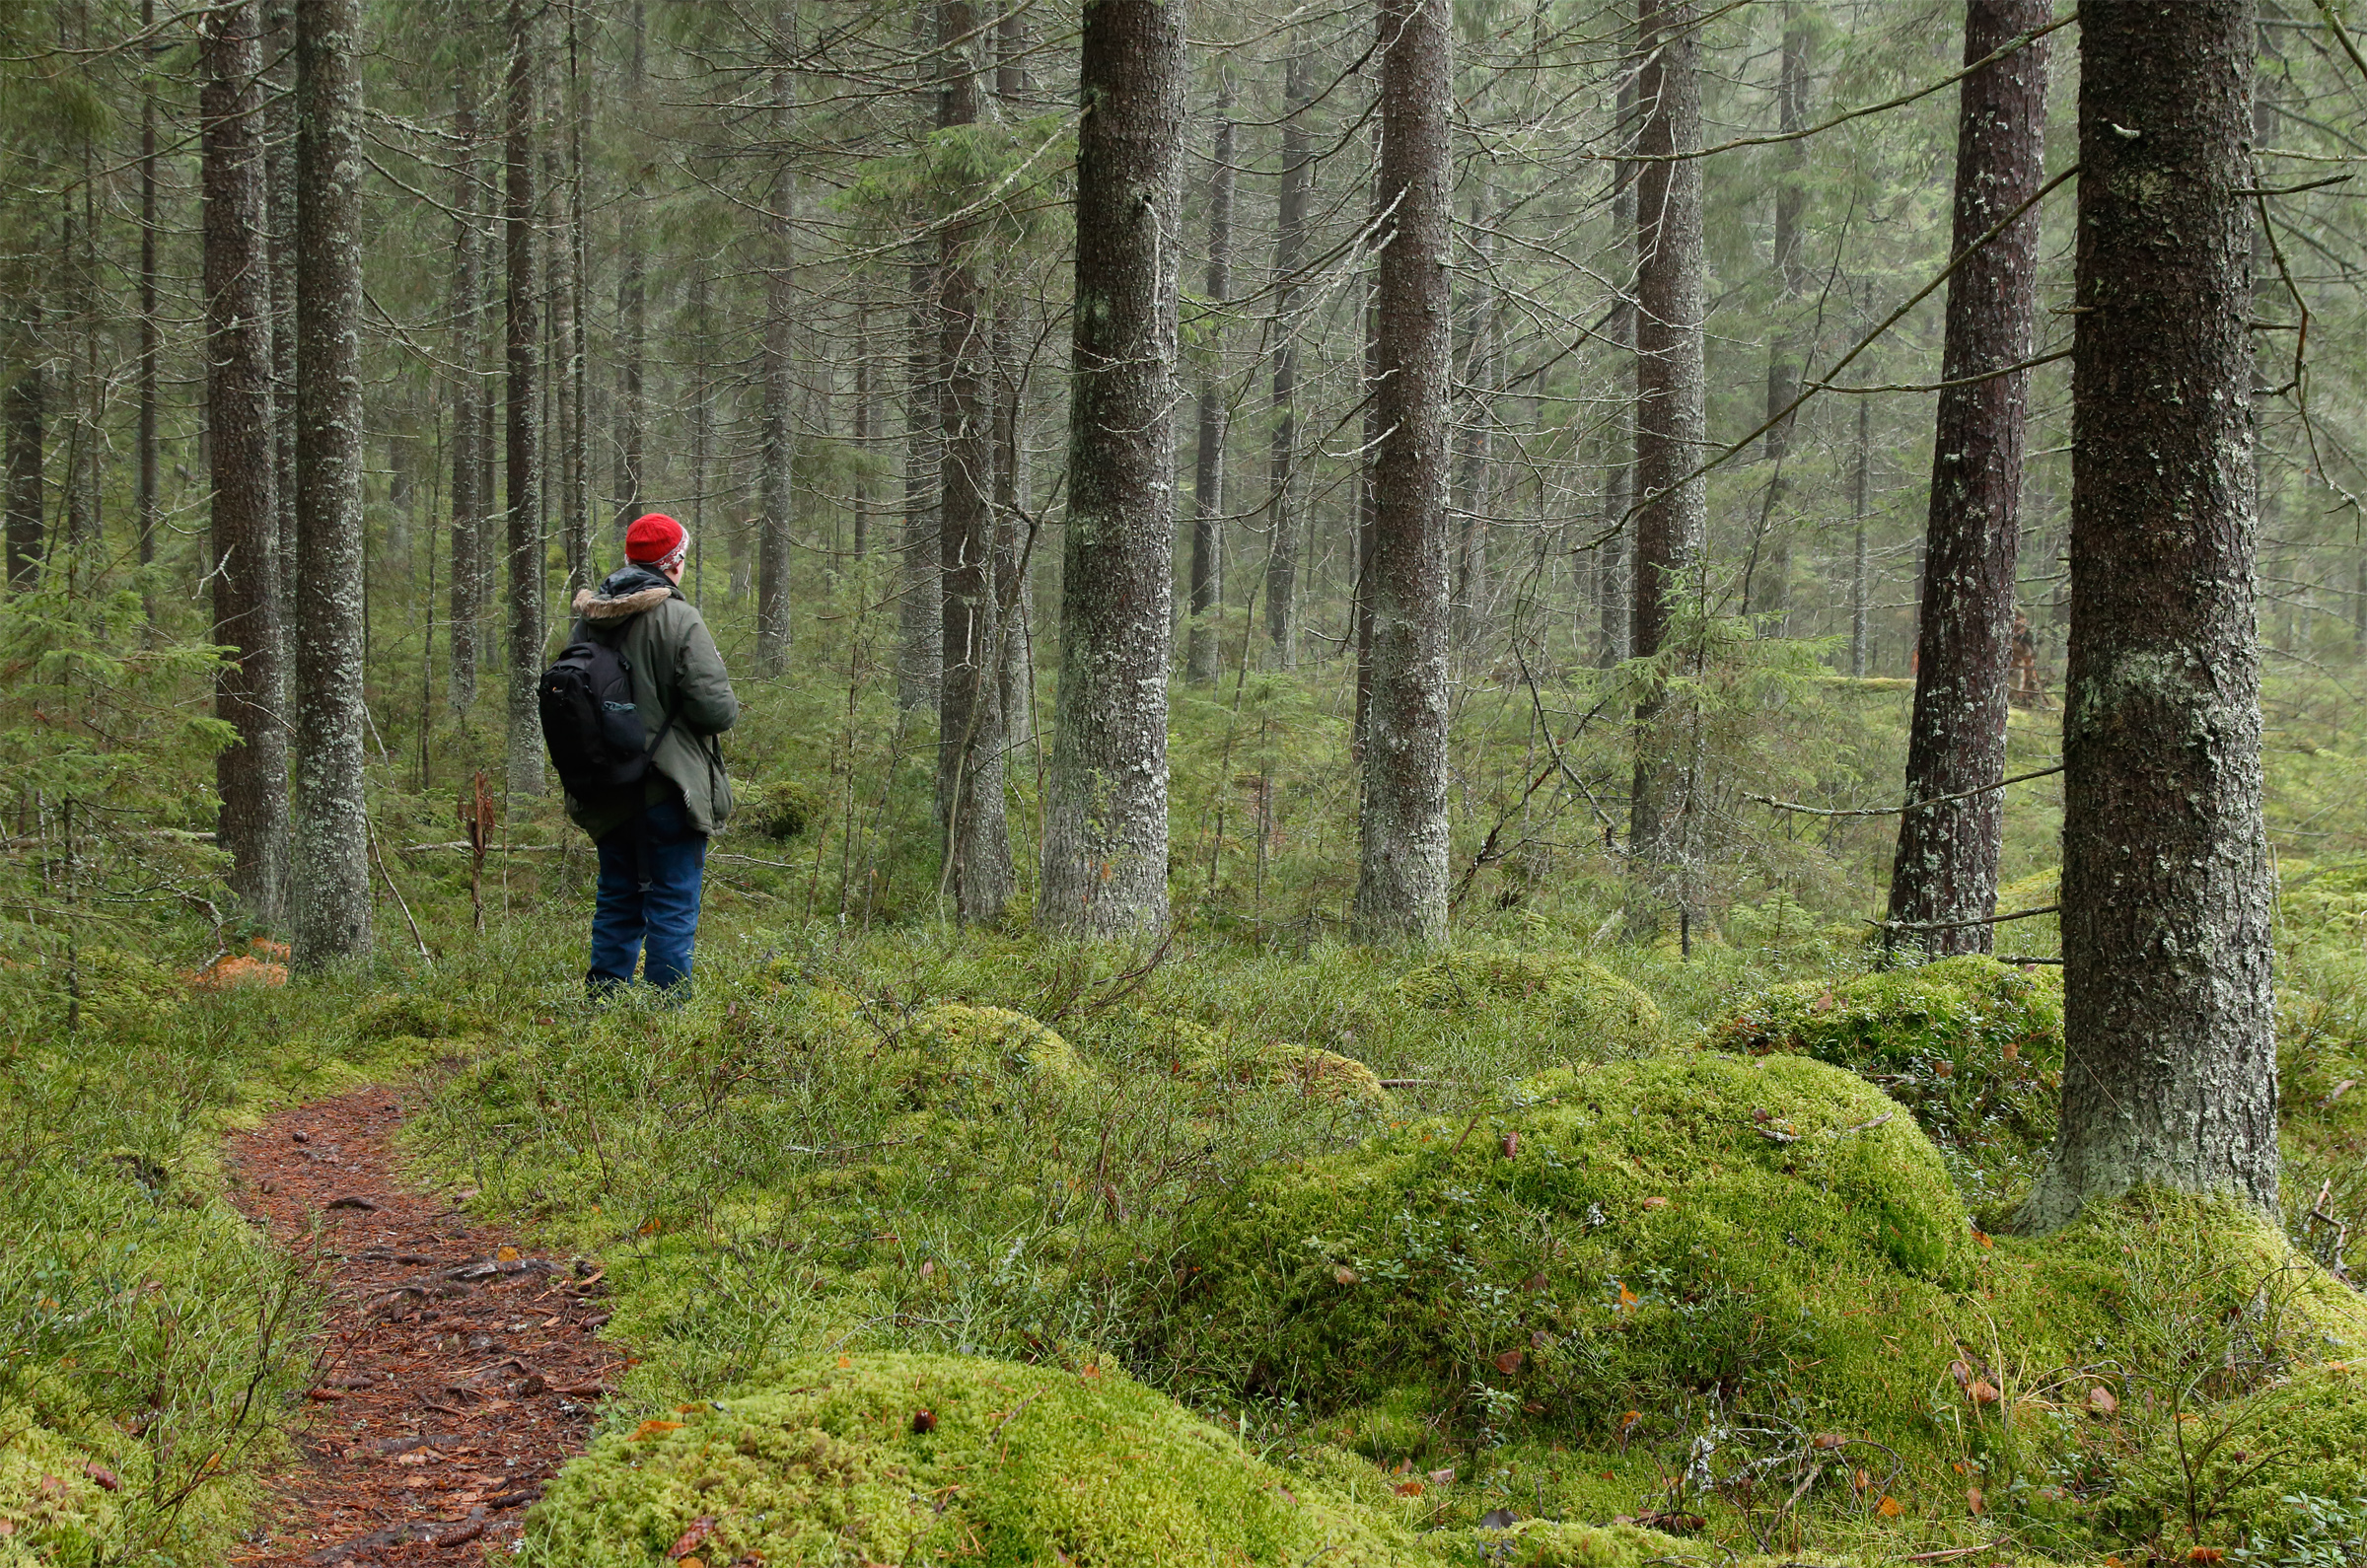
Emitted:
<point x="649" y="882"/>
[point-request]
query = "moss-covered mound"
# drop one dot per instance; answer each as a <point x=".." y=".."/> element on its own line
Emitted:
<point x="909" y="1459"/>
<point x="1975" y="1047"/>
<point x="1693" y="1223"/>
<point x="968" y="1062"/>
<point x="1584" y="999"/>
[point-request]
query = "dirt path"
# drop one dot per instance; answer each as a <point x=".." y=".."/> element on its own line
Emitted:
<point x="456" y="1371"/>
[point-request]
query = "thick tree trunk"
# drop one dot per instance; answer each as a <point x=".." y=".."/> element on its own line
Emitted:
<point x="779" y="389"/>
<point x="467" y="472"/>
<point x="1768" y="575"/>
<point x="1402" y="870"/>
<point x="522" y="491"/>
<point x="1104" y="838"/>
<point x="333" y="826"/>
<point x="2170" y="1063"/>
<point x="1290" y="240"/>
<point x="1671" y="523"/>
<point x="969" y="735"/>
<point x="1202" y="654"/>
<point x="27" y="438"/>
<point x="920" y="605"/>
<point x="1945" y="874"/>
<point x="252" y="776"/>
<point x="280" y="147"/>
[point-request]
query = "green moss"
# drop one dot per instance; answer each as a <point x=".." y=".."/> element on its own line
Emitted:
<point x="409" y="1014"/>
<point x="1586" y="1000"/>
<point x="962" y="1059"/>
<point x="1611" y="1236"/>
<point x="1019" y="1463"/>
<point x="1975" y="1047"/>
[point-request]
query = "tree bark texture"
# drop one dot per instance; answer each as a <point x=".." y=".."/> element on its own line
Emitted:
<point x="777" y="442"/>
<point x="1297" y="189"/>
<point x="523" y="449"/>
<point x="1614" y="588"/>
<point x="1201" y="652"/>
<point x="978" y="870"/>
<point x="921" y="605"/>
<point x="148" y="477"/>
<point x="2170" y="1062"/>
<point x="1945" y="872"/>
<point x="1104" y="838"/>
<point x="333" y="826"/>
<point x="1672" y="521"/>
<point x="279" y="145"/>
<point x="467" y="474"/>
<point x="250" y="776"/>
<point x="1402" y="866"/>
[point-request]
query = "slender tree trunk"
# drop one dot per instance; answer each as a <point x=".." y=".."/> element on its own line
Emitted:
<point x="780" y="389"/>
<point x="468" y="474"/>
<point x="1861" y="651"/>
<point x="1944" y="873"/>
<point x="1672" y="522"/>
<point x="1474" y="445"/>
<point x="575" y="523"/>
<point x="1013" y="594"/>
<point x="1401" y="871"/>
<point x="632" y="290"/>
<point x="250" y="776"/>
<point x="2170" y="1062"/>
<point x="1769" y="572"/>
<point x="579" y="364"/>
<point x="333" y="826"/>
<point x="149" y="493"/>
<point x="1290" y="240"/>
<point x="1105" y="841"/>
<point x="1202" y="654"/>
<point x="1613" y="587"/>
<point x="867" y="429"/>
<point x="919" y="663"/>
<point x="27" y="438"/>
<point x="970" y="720"/>
<point x="524" y="450"/>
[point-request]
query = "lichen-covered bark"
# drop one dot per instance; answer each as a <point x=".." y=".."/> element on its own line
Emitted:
<point x="252" y="776"/>
<point x="780" y="389"/>
<point x="970" y="717"/>
<point x="1105" y="836"/>
<point x="2170" y="1063"/>
<point x="1296" y="189"/>
<point x="1209" y="462"/>
<point x="1664" y="829"/>
<point x="1945" y="872"/>
<point x="333" y="827"/>
<point x="521" y="333"/>
<point x="1401" y="865"/>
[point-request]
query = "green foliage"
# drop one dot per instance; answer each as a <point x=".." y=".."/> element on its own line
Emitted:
<point x="1603" y="1013"/>
<point x="1975" y="1047"/>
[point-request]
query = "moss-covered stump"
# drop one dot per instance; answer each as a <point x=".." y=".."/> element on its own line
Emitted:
<point x="970" y="1061"/>
<point x="1601" y="1013"/>
<point x="1972" y="1046"/>
<point x="912" y="1459"/>
<point x="1614" y="1236"/>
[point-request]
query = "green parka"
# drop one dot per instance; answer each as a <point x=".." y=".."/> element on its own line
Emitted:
<point x="677" y="671"/>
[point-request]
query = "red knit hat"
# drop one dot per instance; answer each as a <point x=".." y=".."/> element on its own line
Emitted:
<point x="654" y="537"/>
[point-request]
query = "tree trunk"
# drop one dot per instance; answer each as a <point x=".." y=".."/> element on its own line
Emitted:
<point x="920" y="606"/>
<point x="1769" y="574"/>
<point x="1401" y="871"/>
<point x="250" y="776"/>
<point x="1202" y="654"/>
<point x="1613" y="587"/>
<point x="279" y="123"/>
<point x="565" y="198"/>
<point x="633" y="289"/>
<point x="970" y="720"/>
<point x="2170" y="1063"/>
<point x="1013" y="594"/>
<point x="1105" y="837"/>
<point x="27" y="438"/>
<point x="779" y="387"/>
<point x="333" y="826"/>
<point x="1290" y="238"/>
<point x="1944" y="873"/>
<point x="522" y="490"/>
<point x="146" y="456"/>
<point x="1473" y="444"/>
<point x="1860" y="497"/>
<point x="467" y="474"/>
<point x="867" y="424"/>
<point x="1664" y="821"/>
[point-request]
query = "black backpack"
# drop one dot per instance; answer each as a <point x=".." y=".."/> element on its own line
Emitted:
<point x="590" y="722"/>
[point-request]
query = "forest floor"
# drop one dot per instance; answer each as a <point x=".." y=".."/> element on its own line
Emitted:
<point x="456" y="1371"/>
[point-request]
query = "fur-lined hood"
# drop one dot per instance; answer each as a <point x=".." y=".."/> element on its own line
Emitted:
<point x="624" y="594"/>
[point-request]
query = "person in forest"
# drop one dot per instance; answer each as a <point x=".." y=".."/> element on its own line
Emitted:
<point x="653" y="840"/>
